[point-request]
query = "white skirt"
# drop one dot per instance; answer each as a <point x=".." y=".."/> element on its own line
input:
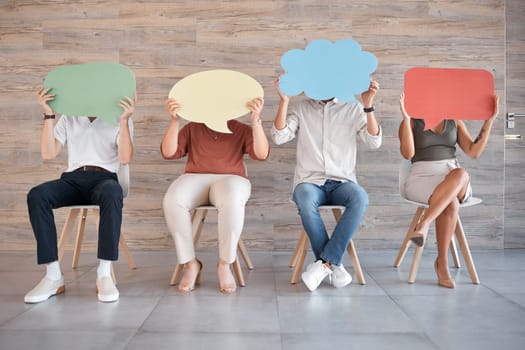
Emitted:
<point x="425" y="176"/>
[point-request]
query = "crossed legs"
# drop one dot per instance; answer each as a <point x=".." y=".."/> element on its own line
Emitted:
<point x="443" y="208"/>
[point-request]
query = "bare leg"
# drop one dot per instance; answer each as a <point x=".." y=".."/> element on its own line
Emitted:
<point x="451" y="189"/>
<point x="445" y="226"/>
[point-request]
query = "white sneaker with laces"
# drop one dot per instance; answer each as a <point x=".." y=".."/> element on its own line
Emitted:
<point x="315" y="273"/>
<point x="107" y="292"/>
<point x="341" y="277"/>
<point x="45" y="289"/>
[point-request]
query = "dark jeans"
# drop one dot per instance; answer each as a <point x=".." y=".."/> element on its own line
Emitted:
<point x="76" y="188"/>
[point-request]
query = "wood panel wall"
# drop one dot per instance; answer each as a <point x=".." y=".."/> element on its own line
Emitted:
<point x="163" y="41"/>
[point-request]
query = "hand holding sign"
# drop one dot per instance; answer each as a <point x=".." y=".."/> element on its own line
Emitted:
<point x="213" y="97"/>
<point x="324" y="70"/>
<point x="435" y="94"/>
<point x="91" y="89"/>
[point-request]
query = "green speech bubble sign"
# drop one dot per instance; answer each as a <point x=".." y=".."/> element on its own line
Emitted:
<point x="91" y="89"/>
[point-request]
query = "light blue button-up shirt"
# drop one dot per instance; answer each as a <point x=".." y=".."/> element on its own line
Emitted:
<point x="326" y="139"/>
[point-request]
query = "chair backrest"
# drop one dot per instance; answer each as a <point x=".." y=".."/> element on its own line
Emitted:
<point x="404" y="169"/>
<point x="123" y="179"/>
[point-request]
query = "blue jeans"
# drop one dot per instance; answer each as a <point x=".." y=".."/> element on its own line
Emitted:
<point x="308" y="197"/>
<point x="76" y="188"/>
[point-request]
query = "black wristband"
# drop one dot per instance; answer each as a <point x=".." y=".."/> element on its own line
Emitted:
<point x="368" y="110"/>
<point x="49" y="116"/>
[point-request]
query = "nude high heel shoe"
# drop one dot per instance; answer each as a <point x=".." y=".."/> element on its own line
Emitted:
<point x="227" y="284"/>
<point x="447" y="283"/>
<point x="418" y="238"/>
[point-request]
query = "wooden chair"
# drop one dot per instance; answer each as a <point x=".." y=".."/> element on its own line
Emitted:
<point x="198" y="217"/>
<point x="459" y="233"/>
<point x="297" y="260"/>
<point x="81" y="211"/>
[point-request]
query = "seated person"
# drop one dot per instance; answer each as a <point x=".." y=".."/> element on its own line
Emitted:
<point x="96" y="149"/>
<point x="214" y="174"/>
<point x="437" y="179"/>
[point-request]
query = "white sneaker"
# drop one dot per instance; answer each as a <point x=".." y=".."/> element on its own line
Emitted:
<point x="341" y="277"/>
<point x="107" y="292"/>
<point x="315" y="273"/>
<point x="44" y="290"/>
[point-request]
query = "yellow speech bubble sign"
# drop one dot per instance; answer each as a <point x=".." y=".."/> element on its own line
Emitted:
<point x="215" y="96"/>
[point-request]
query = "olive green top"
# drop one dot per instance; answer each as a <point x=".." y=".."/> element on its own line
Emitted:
<point x="434" y="146"/>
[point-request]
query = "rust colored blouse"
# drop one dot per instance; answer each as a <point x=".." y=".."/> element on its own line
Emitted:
<point x="212" y="152"/>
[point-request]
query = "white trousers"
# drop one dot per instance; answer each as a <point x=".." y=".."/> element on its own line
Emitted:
<point x="228" y="193"/>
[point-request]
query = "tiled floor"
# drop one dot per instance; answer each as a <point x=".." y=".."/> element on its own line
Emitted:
<point x="269" y="313"/>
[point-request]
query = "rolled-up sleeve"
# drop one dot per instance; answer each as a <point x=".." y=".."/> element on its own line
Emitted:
<point x="288" y="133"/>
<point x="372" y="141"/>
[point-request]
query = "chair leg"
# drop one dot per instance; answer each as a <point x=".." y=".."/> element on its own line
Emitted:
<point x="352" y="252"/>
<point x="67" y="231"/>
<point x="113" y="274"/>
<point x="406" y="241"/>
<point x="297" y="251"/>
<point x="302" y="249"/>
<point x="244" y="254"/>
<point x="80" y="237"/>
<point x="355" y="262"/>
<point x="414" y="267"/>
<point x="238" y="272"/>
<point x="465" y="250"/>
<point x="124" y="248"/>
<point x="454" y="253"/>
<point x="197" y="221"/>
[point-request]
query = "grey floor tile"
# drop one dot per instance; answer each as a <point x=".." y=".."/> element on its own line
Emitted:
<point x="504" y="282"/>
<point x="65" y="312"/>
<point x="205" y="341"/>
<point x="516" y="298"/>
<point x="496" y="339"/>
<point x="224" y="313"/>
<point x="269" y="312"/>
<point x="12" y="306"/>
<point x="485" y="314"/>
<point x="358" y="341"/>
<point x="321" y="315"/>
<point x="52" y="340"/>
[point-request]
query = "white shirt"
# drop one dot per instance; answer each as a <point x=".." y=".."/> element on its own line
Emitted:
<point x="326" y="139"/>
<point x="90" y="143"/>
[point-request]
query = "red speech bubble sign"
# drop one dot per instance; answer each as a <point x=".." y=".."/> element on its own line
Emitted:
<point x="434" y="94"/>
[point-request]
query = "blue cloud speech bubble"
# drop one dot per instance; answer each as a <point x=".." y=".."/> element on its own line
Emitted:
<point x="324" y="70"/>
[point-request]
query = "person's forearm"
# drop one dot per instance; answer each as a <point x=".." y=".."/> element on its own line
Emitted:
<point x="125" y="146"/>
<point x="280" y="119"/>
<point x="170" y="141"/>
<point x="47" y="141"/>
<point x="478" y="146"/>
<point x="371" y="124"/>
<point x="261" y="146"/>
<point x="406" y="139"/>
